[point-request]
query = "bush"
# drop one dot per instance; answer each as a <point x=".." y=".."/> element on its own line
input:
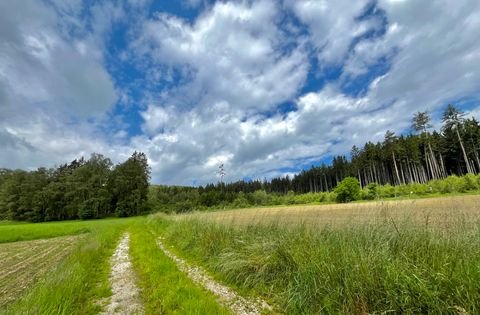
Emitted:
<point x="470" y="182"/>
<point x="452" y="184"/>
<point x="261" y="198"/>
<point x="348" y="190"/>
<point x="241" y="201"/>
<point x="372" y="191"/>
<point x="386" y="191"/>
<point x="184" y="206"/>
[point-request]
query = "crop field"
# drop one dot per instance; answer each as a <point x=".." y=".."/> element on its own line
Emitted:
<point x="21" y="263"/>
<point x="401" y="257"/>
<point x="440" y="211"/>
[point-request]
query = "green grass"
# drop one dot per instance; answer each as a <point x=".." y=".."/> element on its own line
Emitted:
<point x="22" y="231"/>
<point x="81" y="280"/>
<point x="397" y="267"/>
<point x="166" y="290"/>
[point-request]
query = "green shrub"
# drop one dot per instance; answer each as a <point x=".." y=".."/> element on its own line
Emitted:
<point x="386" y="191"/>
<point x="371" y="191"/>
<point x="240" y="201"/>
<point x="348" y="190"/>
<point x="261" y="198"/>
<point x="470" y="182"/>
<point x="452" y="184"/>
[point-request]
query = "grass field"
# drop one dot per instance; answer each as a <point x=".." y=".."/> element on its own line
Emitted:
<point x="406" y="257"/>
<point x="399" y="257"/>
<point x="439" y="211"/>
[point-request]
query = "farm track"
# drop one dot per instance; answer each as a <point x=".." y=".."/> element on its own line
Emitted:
<point x="22" y="263"/>
<point x="126" y="297"/>
<point x="226" y="296"/>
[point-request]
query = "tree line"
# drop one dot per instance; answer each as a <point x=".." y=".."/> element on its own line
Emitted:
<point x="418" y="157"/>
<point x="423" y="156"/>
<point x="81" y="189"/>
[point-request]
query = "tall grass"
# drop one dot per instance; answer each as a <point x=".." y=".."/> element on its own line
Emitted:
<point x="78" y="283"/>
<point x="387" y="266"/>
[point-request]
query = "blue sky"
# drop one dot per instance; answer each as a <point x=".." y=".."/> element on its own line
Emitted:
<point x="266" y="87"/>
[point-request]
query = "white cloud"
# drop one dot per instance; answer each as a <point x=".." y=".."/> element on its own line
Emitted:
<point x="233" y="52"/>
<point x="333" y="25"/>
<point x="436" y="62"/>
<point x="41" y="68"/>
<point x="50" y="84"/>
<point x="225" y="73"/>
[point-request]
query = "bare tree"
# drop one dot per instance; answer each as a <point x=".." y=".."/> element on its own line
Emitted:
<point x="453" y="119"/>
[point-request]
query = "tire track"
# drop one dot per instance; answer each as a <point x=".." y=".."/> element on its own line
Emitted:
<point x="228" y="297"/>
<point x="125" y="297"/>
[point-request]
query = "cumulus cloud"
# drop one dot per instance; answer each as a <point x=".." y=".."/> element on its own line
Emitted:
<point x="46" y="80"/>
<point x="213" y="88"/>
<point x="40" y="67"/>
<point x="233" y="52"/>
<point x="333" y="26"/>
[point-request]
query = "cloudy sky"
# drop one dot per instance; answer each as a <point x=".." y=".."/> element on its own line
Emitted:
<point x="267" y="87"/>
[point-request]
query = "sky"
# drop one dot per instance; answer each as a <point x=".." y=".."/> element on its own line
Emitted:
<point x="266" y="87"/>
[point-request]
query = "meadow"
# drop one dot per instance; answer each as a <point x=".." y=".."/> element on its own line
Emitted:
<point x="400" y="257"/>
<point x="407" y="257"/>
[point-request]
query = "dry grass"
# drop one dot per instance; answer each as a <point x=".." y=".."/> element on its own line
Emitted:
<point x="441" y="211"/>
<point x="22" y="263"/>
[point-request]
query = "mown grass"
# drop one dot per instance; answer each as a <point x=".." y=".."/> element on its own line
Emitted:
<point x="387" y="266"/>
<point x="165" y="289"/>
<point x="77" y="284"/>
<point x="21" y="231"/>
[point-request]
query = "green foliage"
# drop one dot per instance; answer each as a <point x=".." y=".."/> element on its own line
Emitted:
<point x="85" y="189"/>
<point x="260" y="198"/>
<point x="470" y="182"/>
<point x="129" y="184"/>
<point x="348" y="190"/>
<point x="371" y="191"/>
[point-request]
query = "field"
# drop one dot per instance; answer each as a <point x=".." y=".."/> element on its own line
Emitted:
<point x="24" y="262"/>
<point x="399" y="257"/>
<point x="439" y="211"/>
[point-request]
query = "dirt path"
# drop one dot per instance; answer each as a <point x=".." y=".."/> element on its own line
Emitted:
<point x="125" y="298"/>
<point x="237" y="304"/>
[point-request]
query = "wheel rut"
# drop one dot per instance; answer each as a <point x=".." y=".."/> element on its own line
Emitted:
<point x="237" y="304"/>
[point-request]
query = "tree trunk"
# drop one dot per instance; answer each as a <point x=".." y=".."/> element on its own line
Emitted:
<point x="396" y="168"/>
<point x="469" y="169"/>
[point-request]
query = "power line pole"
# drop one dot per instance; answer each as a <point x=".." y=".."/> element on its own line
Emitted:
<point x="221" y="172"/>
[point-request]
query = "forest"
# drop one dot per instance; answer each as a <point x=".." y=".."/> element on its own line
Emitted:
<point x="81" y="189"/>
<point x="424" y="161"/>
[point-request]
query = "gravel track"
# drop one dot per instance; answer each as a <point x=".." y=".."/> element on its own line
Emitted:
<point x="226" y="296"/>
<point x="126" y="297"/>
